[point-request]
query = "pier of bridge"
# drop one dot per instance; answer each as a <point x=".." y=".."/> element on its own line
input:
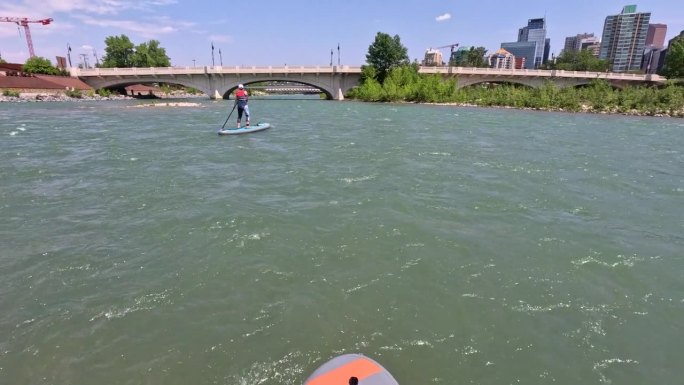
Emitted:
<point x="336" y="81"/>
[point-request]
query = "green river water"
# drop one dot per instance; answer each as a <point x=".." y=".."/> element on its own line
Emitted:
<point x="453" y="245"/>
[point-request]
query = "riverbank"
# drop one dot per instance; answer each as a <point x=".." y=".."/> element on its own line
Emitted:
<point x="584" y="109"/>
<point x="27" y="97"/>
<point x="404" y="84"/>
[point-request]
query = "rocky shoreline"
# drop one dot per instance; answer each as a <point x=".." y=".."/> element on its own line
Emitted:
<point x="585" y="110"/>
<point x="28" y="97"/>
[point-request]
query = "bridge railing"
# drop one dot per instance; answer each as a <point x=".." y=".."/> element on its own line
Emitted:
<point x="538" y="73"/>
<point x="188" y="70"/>
<point x="300" y="70"/>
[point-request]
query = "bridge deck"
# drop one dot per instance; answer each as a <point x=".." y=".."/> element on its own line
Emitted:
<point x="444" y="70"/>
<point x="335" y="81"/>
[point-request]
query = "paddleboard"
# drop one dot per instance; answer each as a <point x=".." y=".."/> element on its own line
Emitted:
<point x="341" y="369"/>
<point x="244" y="130"/>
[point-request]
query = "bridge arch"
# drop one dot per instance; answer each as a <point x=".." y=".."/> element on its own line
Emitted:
<point x="116" y="83"/>
<point x="232" y="87"/>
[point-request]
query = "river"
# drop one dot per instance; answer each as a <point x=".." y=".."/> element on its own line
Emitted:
<point x="453" y="245"/>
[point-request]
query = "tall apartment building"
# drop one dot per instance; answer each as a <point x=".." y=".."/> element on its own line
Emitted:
<point x="583" y="41"/>
<point x="433" y="57"/>
<point x="503" y="59"/>
<point x="656" y="35"/>
<point x="532" y="44"/>
<point x="624" y="39"/>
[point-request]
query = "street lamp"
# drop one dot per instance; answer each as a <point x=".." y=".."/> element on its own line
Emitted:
<point x="193" y="62"/>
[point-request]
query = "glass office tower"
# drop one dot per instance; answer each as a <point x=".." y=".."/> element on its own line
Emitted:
<point x="536" y="32"/>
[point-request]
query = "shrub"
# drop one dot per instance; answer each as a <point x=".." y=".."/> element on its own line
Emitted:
<point x="104" y="92"/>
<point x="76" y="94"/>
<point x="10" y="93"/>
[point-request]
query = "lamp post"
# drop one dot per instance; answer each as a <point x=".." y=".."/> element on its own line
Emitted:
<point x="221" y="57"/>
<point x="331" y="56"/>
<point x="85" y="60"/>
<point x="193" y="63"/>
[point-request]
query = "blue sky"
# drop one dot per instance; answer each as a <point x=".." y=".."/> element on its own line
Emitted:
<point x="301" y="32"/>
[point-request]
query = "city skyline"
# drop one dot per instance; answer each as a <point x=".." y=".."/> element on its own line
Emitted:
<point x="269" y="32"/>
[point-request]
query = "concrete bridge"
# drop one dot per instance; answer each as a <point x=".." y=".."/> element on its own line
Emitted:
<point x="336" y="81"/>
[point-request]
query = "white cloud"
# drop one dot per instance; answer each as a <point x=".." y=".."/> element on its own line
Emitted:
<point x="145" y="29"/>
<point x="40" y="8"/>
<point x="87" y="47"/>
<point x="443" y="17"/>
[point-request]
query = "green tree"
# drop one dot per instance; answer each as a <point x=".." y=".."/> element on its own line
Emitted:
<point x="118" y="52"/>
<point x="674" y="60"/>
<point x="121" y="52"/>
<point x="584" y="60"/>
<point x="386" y="53"/>
<point x="39" y="65"/>
<point x="150" y="54"/>
<point x="473" y="57"/>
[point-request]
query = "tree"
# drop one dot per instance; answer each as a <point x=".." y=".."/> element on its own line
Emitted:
<point x="386" y="53"/>
<point x="121" y="52"/>
<point x="118" y="52"/>
<point x="474" y="57"/>
<point x="584" y="60"/>
<point x="150" y="54"/>
<point x="39" y="65"/>
<point x="674" y="60"/>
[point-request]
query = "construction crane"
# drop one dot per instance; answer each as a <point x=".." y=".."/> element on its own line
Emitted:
<point x="24" y="22"/>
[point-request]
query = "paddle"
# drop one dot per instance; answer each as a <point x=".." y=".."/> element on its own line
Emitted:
<point x="231" y="113"/>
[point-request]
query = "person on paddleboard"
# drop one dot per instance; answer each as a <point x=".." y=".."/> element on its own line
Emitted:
<point x="241" y="99"/>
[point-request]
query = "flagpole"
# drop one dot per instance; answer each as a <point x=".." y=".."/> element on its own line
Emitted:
<point x="338" y="54"/>
<point x="213" y="64"/>
<point x="221" y="57"/>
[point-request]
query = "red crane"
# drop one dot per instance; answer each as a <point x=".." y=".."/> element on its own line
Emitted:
<point x="24" y="22"/>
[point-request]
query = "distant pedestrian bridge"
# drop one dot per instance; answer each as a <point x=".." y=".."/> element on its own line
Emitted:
<point x="335" y="81"/>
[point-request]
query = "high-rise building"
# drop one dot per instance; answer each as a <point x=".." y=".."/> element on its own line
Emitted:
<point x="522" y="49"/>
<point x="503" y="59"/>
<point x="535" y="31"/>
<point x="652" y="61"/>
<point x="456" y="57"/>
<point x="656" y="35"/>
<point x="532" y="44"/>
<point x="433" y="57"/>
<point x="624" y="38"/>
<point x="580" y="41"/>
